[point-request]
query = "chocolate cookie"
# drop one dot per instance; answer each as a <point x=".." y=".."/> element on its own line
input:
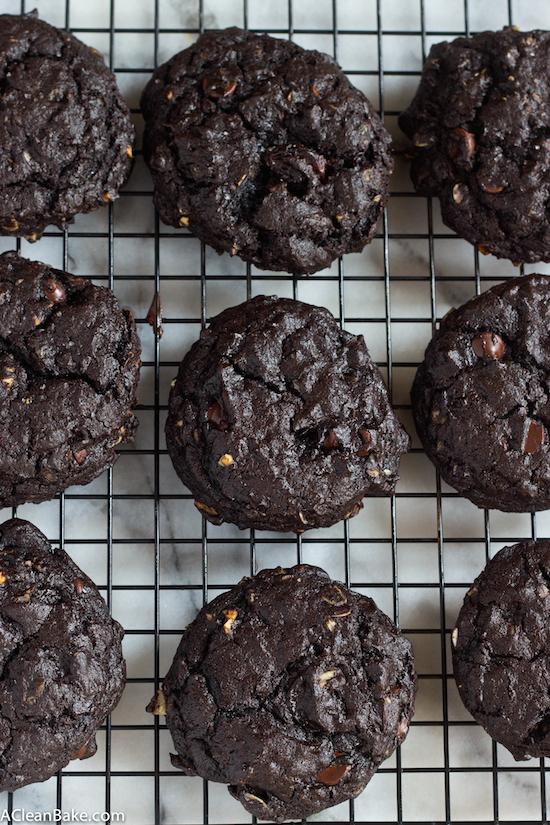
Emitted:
<point x="291" y="689"/>
<point x="501" y="649"/>
<point x="480" y="121"/>
<point x="481" y="397"/>
<point x="265" y="150"/>
<point x="69" y="368"/>
<point x="279" y="419"/>
<point x="65" y="132"/>
<point x="62" y="670"/>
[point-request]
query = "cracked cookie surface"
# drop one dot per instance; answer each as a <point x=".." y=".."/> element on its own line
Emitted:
<point x="280" y="420"/>
<point x="265" y="150"/>
<point x="291" y="689"/>
<point x="69" y="368"/>
<point x="65" y="132"/>
<point x="480" y="122"/>
<point x="501" y="649"/>
<point x="62" y="670"/>
<point x="481" y="397"/>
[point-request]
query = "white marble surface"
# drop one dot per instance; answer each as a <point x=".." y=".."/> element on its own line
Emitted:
<point x="463" y="546"/>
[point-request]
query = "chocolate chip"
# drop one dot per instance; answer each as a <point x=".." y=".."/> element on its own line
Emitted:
<point x="330" y="441"/>
<point x="489" y="345"/>
<point x="215" y="416"/>
<point x="295" y="165"/>
<point x="285" y="166"/>
<point x="220" y="83"/>
<point x="534" y="438"/>
<point x="333" y="774"/>
<point x="54" y="291"/>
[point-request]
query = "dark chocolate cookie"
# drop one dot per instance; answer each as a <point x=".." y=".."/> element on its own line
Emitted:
<point x="279" y="420"/>
<point x="501" y="649"/>
<point x="62" y="670"/>
<point x="65" y="132"/>
<point x="480" y="123"/>
<point x="481" y="397"/>
<point x="69" y="367"/>
<point x="291" y="689"/>
<point x="265" y="150"/>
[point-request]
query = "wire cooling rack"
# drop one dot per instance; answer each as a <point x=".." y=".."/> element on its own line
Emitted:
<point x="135" y="530"/>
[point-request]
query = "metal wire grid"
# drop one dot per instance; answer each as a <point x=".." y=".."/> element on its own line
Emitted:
<point x="303" y="546"/>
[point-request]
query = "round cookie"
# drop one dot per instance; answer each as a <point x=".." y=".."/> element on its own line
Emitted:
<point x="265" y="150"/>
<point x="481" y="397"/>
<point x="62" y="670"/>
<point x="501" y="649"/>
<point x="291" y="689"/>
<point x="479" y="122"/>
<point x="279" y="419"/>
<point x="65" y="132"/>
<point x="69" y="368"/>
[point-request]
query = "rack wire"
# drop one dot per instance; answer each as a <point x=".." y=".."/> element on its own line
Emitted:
<point x="134" y="530"/>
